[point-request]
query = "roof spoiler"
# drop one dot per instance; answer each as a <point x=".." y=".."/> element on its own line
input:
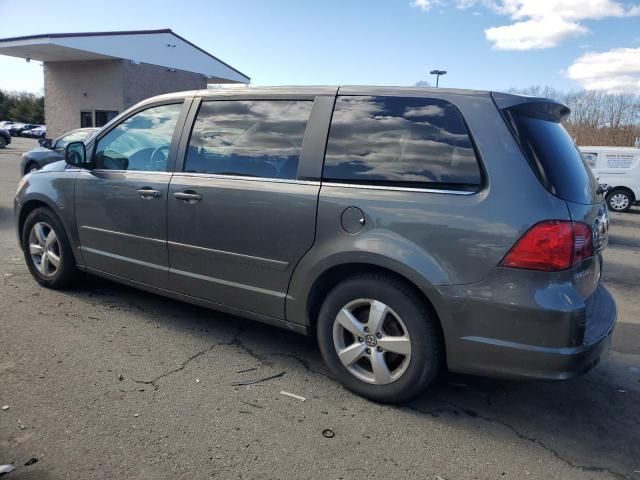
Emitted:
<point x="536" y="107"/>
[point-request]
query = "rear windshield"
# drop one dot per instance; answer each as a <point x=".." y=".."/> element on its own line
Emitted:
<point x="552" y="154"/>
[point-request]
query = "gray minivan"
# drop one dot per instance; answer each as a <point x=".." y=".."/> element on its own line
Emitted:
<point x="407" y="229"/>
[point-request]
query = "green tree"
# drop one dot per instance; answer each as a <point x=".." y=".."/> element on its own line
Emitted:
<point x="22" y="107"/>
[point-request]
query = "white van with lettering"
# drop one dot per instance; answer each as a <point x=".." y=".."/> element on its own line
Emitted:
<point x="619" y="169"/>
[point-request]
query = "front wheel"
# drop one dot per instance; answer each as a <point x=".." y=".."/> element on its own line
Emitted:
<point x="619" y="200"/>
<point x="47" y="250"/>
<point x="379" y="339"/>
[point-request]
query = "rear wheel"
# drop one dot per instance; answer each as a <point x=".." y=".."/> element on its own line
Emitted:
<point x="379" y="339"/>
<point x="619" y="200"/>
<point x="47" y="250"/>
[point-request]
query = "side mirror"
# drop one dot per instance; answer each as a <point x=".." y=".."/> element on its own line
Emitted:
<point x="46" y="144"/>
<point x="75" y="154"/>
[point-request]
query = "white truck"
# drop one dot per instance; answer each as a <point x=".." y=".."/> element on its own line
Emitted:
<point x="619" y="169"/>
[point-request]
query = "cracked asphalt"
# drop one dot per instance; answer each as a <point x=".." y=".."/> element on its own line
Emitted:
<point x="105" y="381"/>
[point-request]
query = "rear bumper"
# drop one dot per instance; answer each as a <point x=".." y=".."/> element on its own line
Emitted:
<point x="494" y="357"/>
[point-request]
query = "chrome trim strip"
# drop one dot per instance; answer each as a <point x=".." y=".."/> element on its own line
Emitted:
<point x="266" y="262"/>
<point x="124" y="259"/>
<point x="106" y="170"/>
<point x="227" y="283"/>
<point x="121" y="234"/>
<point x="251" y="179"/>
<point x="398" y="189"/>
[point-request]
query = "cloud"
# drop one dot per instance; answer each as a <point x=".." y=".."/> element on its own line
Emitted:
<point x="538" y="24"/>
<point x="614" y="71"/>
<point x="426" y="5"/>
<point x="533" y="34"/>
<point x="546" y="24"/>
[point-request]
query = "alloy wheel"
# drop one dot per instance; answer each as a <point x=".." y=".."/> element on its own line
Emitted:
<point x="619" y="201"/>
<point x="371" y="341"/>
<point x="44" y="249"/>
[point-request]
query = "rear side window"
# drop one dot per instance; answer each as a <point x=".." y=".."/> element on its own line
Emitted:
<point x="255" y="138"/>
<point x="400" y="141"/>
<point x="552" y="153"/>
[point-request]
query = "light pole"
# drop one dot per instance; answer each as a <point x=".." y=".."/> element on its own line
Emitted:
<point x="437" y="73"/>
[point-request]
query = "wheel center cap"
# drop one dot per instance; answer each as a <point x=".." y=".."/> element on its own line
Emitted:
<point x="371" y="341"/>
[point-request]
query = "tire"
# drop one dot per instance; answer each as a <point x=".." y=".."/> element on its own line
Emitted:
<point x="406" y="315"/>
<point x="3" y="142"/>
<point x="65" y="272"/>
<point x="619" y="200"/>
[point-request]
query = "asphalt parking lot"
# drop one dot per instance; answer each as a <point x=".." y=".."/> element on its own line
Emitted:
<point x="105" y="381"/>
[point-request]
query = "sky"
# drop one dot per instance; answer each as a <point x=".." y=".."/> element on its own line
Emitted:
<point x="482" y="44"/>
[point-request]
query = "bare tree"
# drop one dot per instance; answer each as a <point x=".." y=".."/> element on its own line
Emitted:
<point x="597" y="118"/>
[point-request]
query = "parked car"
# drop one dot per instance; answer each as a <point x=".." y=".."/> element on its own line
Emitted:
<point x="5" y="124"/>
<point x="27" y="128"/>
<point x="5" y="138"/>
<point x="408" y="229"/>
<point x="15" y="128"/>
<point x="37" y="132"/>
<point x="619" y="169"/>
<point x="52" y="151"/>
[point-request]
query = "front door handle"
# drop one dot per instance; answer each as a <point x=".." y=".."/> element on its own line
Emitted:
<point x="148" y="193"/>
<point x="189" y="196"/>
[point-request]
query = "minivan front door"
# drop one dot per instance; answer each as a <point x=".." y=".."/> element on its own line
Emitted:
<point x="239" y="217"/>
<point x="121" y="204"/>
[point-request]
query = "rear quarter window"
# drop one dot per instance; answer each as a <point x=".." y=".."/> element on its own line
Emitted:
<point x="400" y="141"/>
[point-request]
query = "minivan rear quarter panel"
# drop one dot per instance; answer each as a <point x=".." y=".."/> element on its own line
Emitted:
<point x="444" y="238"/>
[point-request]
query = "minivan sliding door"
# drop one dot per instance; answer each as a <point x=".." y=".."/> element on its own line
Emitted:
<point x="239" y="214"/>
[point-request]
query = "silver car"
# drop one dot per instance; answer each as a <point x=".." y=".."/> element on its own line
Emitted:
<point x="51" y="151"/>
<point x="409" y="230"/>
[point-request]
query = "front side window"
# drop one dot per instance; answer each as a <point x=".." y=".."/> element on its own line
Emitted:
<point x="253" y="138"/>
<point x="142" y="142"/>
<point x="400" y="141"/>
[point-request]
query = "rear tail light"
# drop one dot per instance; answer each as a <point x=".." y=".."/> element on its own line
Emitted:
<point x="551" y="246"/>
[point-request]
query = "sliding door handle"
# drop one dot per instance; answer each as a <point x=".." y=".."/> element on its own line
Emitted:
<point x="189" y="196"/>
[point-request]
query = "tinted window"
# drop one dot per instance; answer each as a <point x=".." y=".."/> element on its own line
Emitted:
<point x="257" y="138"/>
<point x="552" y="153"/>
<point x="86" y="119"/>
<point x="105" y="116"/>
<point x="141" y="142"/>
<point x="400" y="141"/>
